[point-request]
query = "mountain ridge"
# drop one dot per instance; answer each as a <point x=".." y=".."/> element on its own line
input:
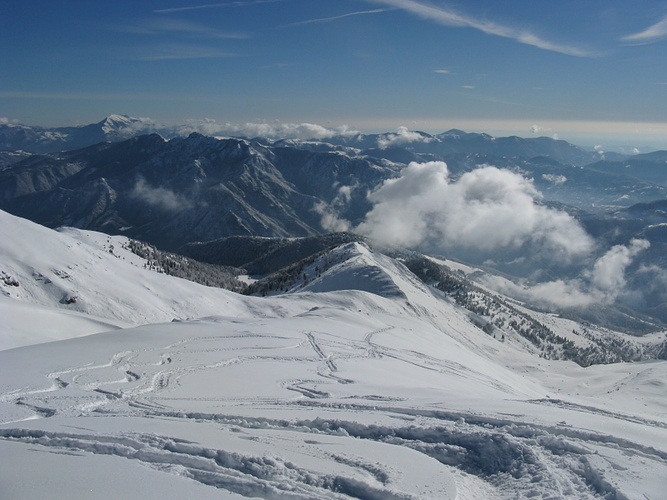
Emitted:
<point x="35" y="139"/>
<point x="253" y="187"/>
<point x="180" y="191"/>
<point x="187" y="189"/>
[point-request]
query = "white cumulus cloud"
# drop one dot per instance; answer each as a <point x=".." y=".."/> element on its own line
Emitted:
<point x="608" y="273"/>
<point x="159" y="197"/>
<point x="329" y="218"/>
<point x="485" y="210"/>
<point x="555" y="179"/>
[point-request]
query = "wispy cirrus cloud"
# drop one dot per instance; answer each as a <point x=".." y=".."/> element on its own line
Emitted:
<point x="334" y="18"/>
<point x="652" y="34"/>
<point x="166" y="26"/>
<point x="173" y="39"/>
<point x="449" y="17"/>
<point x="215" y="6"/>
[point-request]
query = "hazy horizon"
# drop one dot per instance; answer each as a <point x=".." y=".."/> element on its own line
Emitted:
<point x="626" y="138"/>
<point x="591" y="73"/>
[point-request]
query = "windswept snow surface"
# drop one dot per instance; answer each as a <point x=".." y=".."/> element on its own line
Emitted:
<point x="363" y="385"/>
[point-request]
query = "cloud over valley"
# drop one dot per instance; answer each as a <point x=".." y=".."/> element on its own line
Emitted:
<point x="271" y="130"/>
<point x="495" y="216"/>
<point x="160" y="197"/>
<point x="486" y="209"/>
<point x="603" y="284"/>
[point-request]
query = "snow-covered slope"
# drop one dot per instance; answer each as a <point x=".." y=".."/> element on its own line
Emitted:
<point x="24" y="323"/>
<point x="91" y="273"/>
<point x="363" y="384"/>
<point x="358" y="268"/>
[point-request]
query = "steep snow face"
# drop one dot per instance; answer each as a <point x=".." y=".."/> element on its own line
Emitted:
<point x="91" y="273"/>
<point x="358" y="268"/>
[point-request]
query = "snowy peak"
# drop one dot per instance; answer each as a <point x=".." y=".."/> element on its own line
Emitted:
<point x="351" y="266"/>
<point x="47" y="140"/>
<point x="356" y="267"/>
<point x="123" y="125"/>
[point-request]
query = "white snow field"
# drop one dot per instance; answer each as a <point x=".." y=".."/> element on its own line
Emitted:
<point x="365" y="384"/>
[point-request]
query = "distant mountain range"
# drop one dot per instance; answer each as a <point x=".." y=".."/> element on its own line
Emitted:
<point x="200" y="188"/>
<point x="193" y="189"/>
<point x="46" y="140"/>
<point x="397" y="146"/>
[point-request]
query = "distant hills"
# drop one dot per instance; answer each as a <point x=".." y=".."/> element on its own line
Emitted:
<point x="456" y="141"/>
<point x="47" y="140"/>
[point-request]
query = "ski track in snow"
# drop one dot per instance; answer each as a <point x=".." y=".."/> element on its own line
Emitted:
<point x="248" y="476"/>
<point x="515" y="457"/>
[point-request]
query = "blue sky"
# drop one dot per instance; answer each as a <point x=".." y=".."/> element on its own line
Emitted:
<point x="570" y="69"/>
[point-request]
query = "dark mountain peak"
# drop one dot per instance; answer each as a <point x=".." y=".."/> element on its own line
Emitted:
<point x="198" y="139"/>
<point x="190" y="189"/>
<point x="264" y="255"/>
<point x="198" y="145"/>
<point x="149" y="142"/>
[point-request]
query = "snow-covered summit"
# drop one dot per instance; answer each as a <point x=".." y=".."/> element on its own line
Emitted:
<point x="356" y="267"/>
<point x="125" y="125"/>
